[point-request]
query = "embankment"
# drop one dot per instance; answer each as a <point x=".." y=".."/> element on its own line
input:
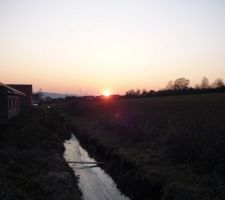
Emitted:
<point x="128" y="174"/>
<point x="32" y="164"/>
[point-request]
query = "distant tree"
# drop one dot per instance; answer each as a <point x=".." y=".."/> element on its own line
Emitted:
<point x="151" y="91"/>
<point x="218" y="83"/>
<point x="170" y="85"/>
<point x="130" y="93"/>
<point x="204" y="83"/>
<point x="138" y="92"/>
<point x="144" y="93"/>
<point x="181" y="84"/>
<point x="197" y="86"/>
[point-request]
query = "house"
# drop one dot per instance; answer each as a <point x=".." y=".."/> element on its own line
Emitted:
<point x="25" y="101"/>
<point x="9" y="102"/>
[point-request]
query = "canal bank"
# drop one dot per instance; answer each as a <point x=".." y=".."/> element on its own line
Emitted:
<point x="128" y="175"/>
<point x="94" y="183"/>
<point x="32" y="164"/>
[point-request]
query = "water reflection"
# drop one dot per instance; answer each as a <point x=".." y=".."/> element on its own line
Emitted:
<point x="94" y="183"/>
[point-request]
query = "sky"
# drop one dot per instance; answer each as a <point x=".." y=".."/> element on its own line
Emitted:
<point x="84" y="46"/>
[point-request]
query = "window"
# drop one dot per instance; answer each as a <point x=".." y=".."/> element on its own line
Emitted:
<point x="13" y="103"/>
<point x="17" y="104"/>
<point x="9" y="104"/>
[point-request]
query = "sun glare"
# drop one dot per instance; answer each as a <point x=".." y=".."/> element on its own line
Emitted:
<point x="106" y="93"/>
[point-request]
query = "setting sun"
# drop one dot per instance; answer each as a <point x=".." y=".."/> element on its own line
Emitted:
<point x="106" y="93"/>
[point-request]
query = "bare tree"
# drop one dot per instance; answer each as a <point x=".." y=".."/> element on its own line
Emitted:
<point x="138" y="92"/>
<point x="181" y="84"/>
<point x="130" y="93"/>
<point x="144" y="92"/>
<point x="205" y="83"/>
<point x="218" y="83"/>
<point x="170" y="85"/>
<point x="197" y="86"/>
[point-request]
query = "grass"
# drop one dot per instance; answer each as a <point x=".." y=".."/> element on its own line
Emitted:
<point x="171" y="147"/>
<point x="32" y="164"/>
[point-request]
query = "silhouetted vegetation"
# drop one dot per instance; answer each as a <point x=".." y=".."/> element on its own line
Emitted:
<point x="178" y="87"/>
<point x="32" y="164"/>
<point x="157" y="148"/>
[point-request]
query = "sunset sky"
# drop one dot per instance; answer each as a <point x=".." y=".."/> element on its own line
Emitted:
<point x="85" y="46"/>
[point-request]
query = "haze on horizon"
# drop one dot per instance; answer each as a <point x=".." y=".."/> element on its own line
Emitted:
<point x="73" y="46"/>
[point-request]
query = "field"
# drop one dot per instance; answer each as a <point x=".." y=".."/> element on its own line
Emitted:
<point x="161" y="147"/>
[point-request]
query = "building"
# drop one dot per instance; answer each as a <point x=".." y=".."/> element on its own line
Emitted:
<point x="26" y="100"/>
<point x="9" y="102"/>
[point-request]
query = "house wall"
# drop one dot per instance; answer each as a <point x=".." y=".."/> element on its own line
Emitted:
<point x="13" y="106"/>
<point x="27" y="89"/>
<point x="3" y="104"/>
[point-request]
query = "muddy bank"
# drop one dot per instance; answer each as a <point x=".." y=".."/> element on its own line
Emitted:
<point x="32" y="164"/>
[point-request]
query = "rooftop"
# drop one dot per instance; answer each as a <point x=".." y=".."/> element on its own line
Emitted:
<point x="12" y="90"/>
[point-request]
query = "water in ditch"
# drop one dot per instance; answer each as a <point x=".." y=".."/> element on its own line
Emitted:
<point x="94" y="183"/>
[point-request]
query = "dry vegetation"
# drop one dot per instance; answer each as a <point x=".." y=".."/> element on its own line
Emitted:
<point x="32" y="164"/>
<point x="162" y="147"/>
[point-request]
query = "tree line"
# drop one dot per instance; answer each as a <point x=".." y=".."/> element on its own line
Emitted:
<point x="181" y="86"/>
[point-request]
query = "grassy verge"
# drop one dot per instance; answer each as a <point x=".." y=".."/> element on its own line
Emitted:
<point x="162" y="148"/>
<point x="32" y="164"/>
